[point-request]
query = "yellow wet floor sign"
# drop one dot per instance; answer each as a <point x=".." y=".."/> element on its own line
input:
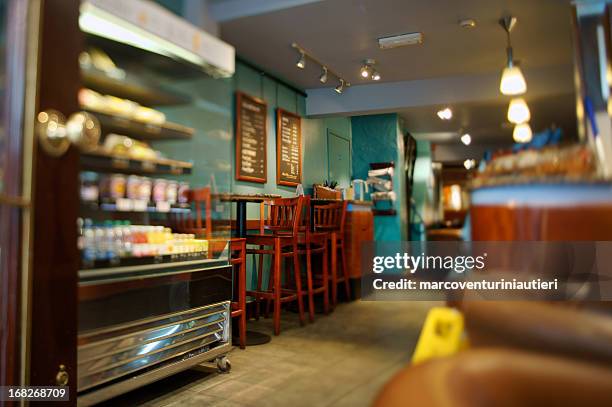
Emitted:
<point x="442" y="335"/>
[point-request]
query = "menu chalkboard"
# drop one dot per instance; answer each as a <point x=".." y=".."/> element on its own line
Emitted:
<point x="251" y="164"/>
<point x="288" y="148"/>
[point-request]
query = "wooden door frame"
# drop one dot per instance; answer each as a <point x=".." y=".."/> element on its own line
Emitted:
<point x="15" y="196"/>
<point x="54" y="253"/>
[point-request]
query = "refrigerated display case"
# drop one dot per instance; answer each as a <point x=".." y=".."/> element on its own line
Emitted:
<point x="121" y="126"/>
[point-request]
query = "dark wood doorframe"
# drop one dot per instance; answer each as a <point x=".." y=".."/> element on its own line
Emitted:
<point x="53" y="322"/>
<point x="12" y="201"/>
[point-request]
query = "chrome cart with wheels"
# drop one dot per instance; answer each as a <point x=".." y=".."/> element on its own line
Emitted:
<point x="139" y="324"/>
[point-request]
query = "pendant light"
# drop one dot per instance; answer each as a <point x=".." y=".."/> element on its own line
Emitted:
<point x="518" y="111"/>
<point x="512" y="80"/>
<point x="522" y="133"/>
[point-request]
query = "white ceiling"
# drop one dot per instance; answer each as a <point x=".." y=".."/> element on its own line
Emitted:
<point x="341" y="33"/>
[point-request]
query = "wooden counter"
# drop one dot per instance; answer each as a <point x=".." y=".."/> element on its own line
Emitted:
<point x="542" y="212"/>
<point x="359" y="228"/>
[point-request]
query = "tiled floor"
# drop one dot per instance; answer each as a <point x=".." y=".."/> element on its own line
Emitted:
<point x="341" y="360"/>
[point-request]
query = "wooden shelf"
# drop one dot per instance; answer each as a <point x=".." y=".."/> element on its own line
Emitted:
<point x="131" y="89"/>
<point x="120" y="207"/>
<point x="102" y="161"/>
<point x="142" y="131"/>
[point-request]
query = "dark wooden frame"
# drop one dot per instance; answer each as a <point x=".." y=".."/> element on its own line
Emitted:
<point x="279" y="113"/>
<point x="54" y="253"/>
<point x="12" y="202"/>
<point x="239" y="97"/>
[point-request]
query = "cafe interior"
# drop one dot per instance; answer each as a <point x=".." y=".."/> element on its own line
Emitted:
<point x="187" y="188"/>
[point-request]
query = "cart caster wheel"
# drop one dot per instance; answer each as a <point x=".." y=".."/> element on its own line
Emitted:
<point x="224" y="365"/>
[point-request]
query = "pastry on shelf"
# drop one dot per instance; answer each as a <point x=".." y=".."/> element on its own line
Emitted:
<point x="124" y="146"/>
<point x="148" y="115"/>
<point x="114" y="106"/>
<point x="95" y="58"/>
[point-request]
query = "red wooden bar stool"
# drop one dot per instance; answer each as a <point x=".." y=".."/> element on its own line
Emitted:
<point x="312" y="243"/>
<point x="331" y="218"/>
<point x="199" y="223"/>
<point x="278" y="237"/>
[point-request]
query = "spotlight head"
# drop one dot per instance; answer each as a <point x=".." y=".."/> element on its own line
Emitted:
<point x="323" y="77"/>
<point x="365" y="71"/>
<point x="375" y="76"/>
<point x="301" y="63"/>
<point x="340" y="88"/>
<point x="466" y="139"/>
<point x="445" y="114"/>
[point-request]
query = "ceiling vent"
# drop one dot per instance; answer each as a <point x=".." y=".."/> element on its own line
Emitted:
<point x="401" y="40"/>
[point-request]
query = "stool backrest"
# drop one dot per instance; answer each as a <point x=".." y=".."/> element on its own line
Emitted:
<point x="330" y="217"/>
<point x="281" y="215"/>
<point x="199" y="220"/>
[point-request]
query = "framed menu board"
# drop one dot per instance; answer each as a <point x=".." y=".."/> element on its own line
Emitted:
<point x="288" y="148"/>
<point x="251" y="160"/>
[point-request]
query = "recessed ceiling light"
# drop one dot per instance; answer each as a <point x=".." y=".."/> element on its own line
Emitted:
<point x="466" y="139"/>
<point x="445" y="114"/>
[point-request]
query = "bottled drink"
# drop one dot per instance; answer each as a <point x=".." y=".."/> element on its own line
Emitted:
<point x="109" y="241"/>
<point x="127" y="238"/>
<point x="88" y="242"/>
<point x="99" y="242"/>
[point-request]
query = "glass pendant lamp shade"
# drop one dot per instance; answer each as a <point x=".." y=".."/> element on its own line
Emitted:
<point x="512" y="81"/>
<point x="522" y="133"/>
<point x="518" y="111"/>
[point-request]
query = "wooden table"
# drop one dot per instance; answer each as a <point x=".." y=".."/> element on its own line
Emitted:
<point x="252" y="337"/>
<point x="241" y="201"/>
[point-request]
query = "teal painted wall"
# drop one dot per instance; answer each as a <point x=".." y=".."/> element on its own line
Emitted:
<point x="378" y="138"/>
<point x="314" y="133"/>
<point x="421" y="190"/>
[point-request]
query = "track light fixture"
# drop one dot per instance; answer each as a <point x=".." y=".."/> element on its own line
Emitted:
<point x="301" y="63"/>
<point x="368" y="71"/>
<point x="323" y="77"/>
<point x="365" y="71"/>
<point x="326" y="71"/>
<point x="340" y="87"/>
